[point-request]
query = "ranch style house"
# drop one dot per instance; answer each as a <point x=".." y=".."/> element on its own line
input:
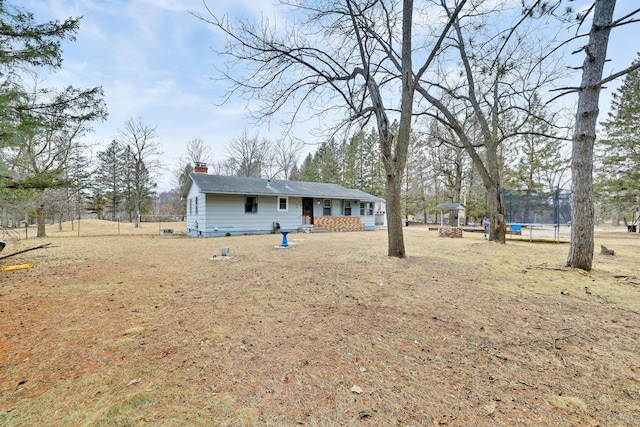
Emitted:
<point x="217" y="205"/>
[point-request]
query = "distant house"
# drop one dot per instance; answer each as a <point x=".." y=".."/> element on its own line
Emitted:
<point x="217" y="205"/>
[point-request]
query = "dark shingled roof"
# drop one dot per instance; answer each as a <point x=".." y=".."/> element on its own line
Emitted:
<point x="220" y="184"/>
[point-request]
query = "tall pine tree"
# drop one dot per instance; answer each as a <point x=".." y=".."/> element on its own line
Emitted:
<point x="618" y="180"/>
<point x="108" y="179"/>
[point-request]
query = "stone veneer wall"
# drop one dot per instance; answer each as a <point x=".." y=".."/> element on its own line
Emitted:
<point x="339" y="223"/>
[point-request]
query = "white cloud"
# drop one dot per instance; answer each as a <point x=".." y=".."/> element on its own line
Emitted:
<point x="153" y="59"/>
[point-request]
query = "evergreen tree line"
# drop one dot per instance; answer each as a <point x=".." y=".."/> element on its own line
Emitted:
<point x="119" y="183"/>
<point x="438" y="168"/>
<point x="353" y="163"/>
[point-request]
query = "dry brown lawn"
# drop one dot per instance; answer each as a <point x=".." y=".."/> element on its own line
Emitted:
<point x="149" y="330"/>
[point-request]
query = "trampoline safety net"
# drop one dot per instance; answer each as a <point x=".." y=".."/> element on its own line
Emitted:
<point x="538" y="207"/>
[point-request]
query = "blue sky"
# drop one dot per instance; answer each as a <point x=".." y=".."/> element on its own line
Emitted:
<point x="154" y="60"/>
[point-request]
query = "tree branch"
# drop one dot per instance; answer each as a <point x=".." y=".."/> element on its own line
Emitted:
<point x="619" y="74"/>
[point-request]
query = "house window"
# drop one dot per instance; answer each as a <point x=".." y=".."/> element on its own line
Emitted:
<point x="250" y="204"/>
<point x="283" y="204"/>
<point x="347" y="208"/>
<point x="196" y="206"/>
<point x="327" y="207"/>
<point x="190" y="206"/>
<point x="366" y="209"/>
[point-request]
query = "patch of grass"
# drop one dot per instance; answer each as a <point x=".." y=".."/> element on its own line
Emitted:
<point x="216" y="334"/>
<point x="138" y="330"/>
<point x="568" y="404"/>
<point x="121" y="343"/>
<point x="460" y="332"/>
<point x="220" y="403"/>
<point x="129" y="412"/>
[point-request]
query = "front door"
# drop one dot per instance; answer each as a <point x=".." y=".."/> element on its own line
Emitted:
<point x="307" y="210"/>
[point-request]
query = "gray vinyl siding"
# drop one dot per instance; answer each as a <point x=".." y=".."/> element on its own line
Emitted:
<point x="221" y="203"/>
<point x="195" y="221"/>
<point x="219" y="214"/>
<point x="318" y="207"/>
<point x="226" y="214"/>
<point x="369" y="221"/>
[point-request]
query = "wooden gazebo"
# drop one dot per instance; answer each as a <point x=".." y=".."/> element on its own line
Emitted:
<point x="449" y="207"/>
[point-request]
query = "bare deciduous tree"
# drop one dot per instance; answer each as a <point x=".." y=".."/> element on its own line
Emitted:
<point x="248" y="155"/>
<point x="143" y="156"/>
<point x="197" y="152"/>
<point x="499" y="76"/>
<point x="285" y="156"/>
<point x="335" y="58"/>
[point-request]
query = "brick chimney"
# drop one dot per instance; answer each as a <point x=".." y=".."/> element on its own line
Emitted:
<point x="201" y="167"/>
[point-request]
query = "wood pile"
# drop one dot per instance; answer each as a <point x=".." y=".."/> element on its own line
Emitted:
<point x="450" y="232"/>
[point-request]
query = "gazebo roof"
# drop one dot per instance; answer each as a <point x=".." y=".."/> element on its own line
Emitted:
<point x="449" y="207"/>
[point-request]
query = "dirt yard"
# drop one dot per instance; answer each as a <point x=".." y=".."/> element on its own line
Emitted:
<point x="129" y="330"/>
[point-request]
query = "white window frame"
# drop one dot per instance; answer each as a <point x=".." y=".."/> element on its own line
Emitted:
<point x="363" y="209"/>
<point x="286" y="204"/>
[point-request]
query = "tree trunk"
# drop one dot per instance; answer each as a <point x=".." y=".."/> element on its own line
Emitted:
<point x="395" y="236"/>
<point x="582" y="204"/>
<point x="497" y="217"/>
<point x="41" y="225"/>
<point x="395" y="158"/>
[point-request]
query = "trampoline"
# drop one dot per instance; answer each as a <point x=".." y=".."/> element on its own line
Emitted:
<point x="537" y="209"/>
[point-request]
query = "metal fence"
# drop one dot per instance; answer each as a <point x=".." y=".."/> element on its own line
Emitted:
<point x="92" y="227"/>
